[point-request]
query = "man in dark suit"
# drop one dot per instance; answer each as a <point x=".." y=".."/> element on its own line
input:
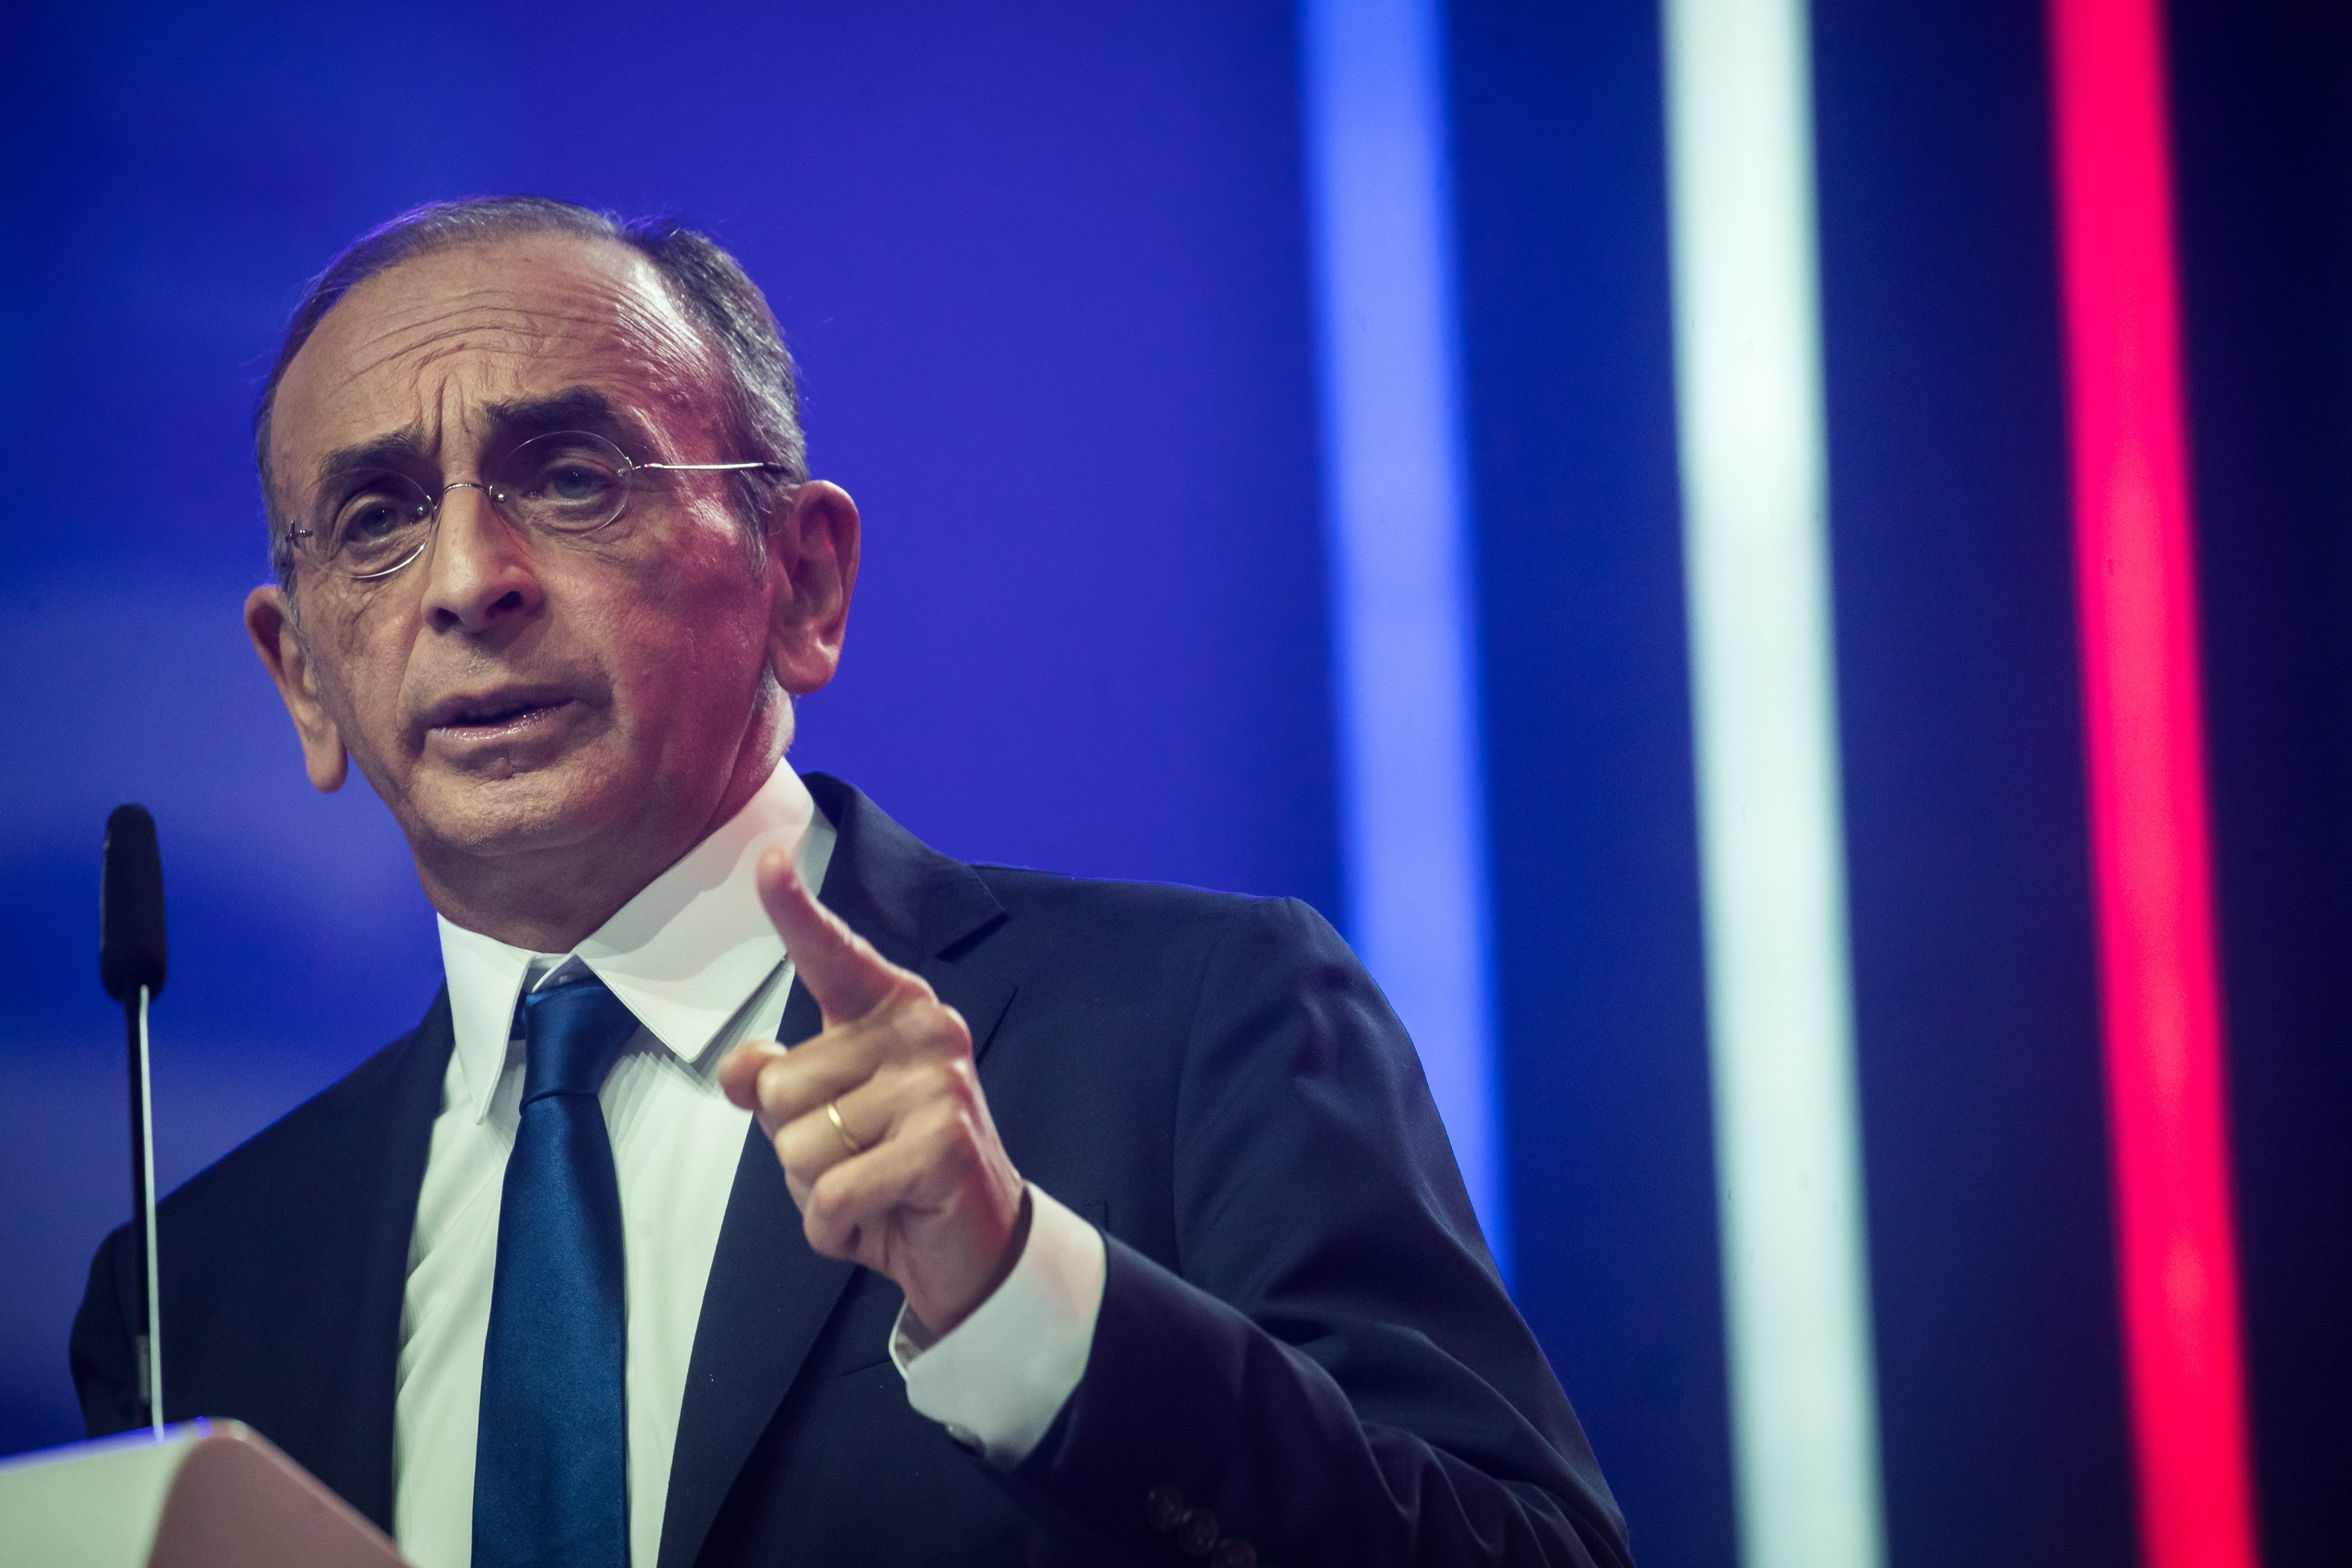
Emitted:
<point x="1084" y="1222"/>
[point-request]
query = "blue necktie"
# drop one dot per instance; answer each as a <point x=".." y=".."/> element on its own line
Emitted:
<point x="550" y="1470"/>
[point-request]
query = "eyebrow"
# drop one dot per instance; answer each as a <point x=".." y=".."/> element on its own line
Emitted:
<point x="398" y="449"/>
<point x="573" y="408"/>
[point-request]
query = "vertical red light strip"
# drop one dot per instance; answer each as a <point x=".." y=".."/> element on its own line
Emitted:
<point x="2145" y="742"/>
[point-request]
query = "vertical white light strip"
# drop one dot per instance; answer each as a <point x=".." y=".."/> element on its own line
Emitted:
<point x="1748" y="373"/>
<point x="1413" y="804"/>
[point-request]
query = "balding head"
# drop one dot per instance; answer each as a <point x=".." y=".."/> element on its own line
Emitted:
<point x="553" y="714"/>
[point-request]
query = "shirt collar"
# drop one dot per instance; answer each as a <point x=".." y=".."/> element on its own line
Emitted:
<point x="683" y="956"/>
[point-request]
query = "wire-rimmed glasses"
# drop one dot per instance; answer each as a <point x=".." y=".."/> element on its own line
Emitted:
<point x="375" y="520"/>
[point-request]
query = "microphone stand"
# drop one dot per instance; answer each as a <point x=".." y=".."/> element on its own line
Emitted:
<point x="132" y="965"/>
<point x="142" y="1201"/>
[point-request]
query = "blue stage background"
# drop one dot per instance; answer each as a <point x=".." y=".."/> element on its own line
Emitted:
<point x="1045" y="270"/>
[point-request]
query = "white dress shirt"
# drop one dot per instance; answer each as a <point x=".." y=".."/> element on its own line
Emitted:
<point x="695" y="958"/>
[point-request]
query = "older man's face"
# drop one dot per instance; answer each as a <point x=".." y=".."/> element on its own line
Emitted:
<point x="508" y="694"/>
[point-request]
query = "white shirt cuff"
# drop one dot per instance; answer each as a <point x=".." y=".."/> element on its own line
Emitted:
<point x="997" y="1380"/>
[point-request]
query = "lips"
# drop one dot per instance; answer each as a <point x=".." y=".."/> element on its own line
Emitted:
<point x="490" y="713"/>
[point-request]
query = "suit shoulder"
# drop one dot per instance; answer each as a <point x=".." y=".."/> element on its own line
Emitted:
<point x="1149" y="912"/>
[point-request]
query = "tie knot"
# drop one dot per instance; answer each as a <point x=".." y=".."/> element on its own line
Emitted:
<point x="571" y="1036"/>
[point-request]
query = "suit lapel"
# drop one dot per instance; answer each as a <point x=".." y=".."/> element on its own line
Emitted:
<point x="770" y="1293"/>
<point x="769" y="1296"/>
<point x="348" y="1333"/>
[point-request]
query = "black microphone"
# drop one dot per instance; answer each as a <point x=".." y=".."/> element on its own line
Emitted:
<point x="130" y="906"/>
<point x="130" y="964"/>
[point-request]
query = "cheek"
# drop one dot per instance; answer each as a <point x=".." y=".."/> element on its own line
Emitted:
<point x="707" y="597"/>
<point x="695" y="642"/>
<point x="359" y="679"/>
<point x="696" y="658"/>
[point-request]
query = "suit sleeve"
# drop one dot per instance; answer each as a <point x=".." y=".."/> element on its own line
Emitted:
<point x="1332" y="1371"/>
<point x="104" y="1355"/>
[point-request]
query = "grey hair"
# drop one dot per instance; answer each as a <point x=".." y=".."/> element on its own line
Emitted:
<point x="759" y="392"/>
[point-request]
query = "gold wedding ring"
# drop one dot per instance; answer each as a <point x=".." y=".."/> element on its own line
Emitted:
<point x="832" y="1115"/>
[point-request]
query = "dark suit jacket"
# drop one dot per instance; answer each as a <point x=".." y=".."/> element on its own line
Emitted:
<point x="1301" y="1332"/>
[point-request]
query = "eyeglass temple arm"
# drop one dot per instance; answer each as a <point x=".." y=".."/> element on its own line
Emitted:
<point x="708" y="467"/>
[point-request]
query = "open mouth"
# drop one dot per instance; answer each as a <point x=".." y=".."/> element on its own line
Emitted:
<point x="494" y="712"/>
<point x="494" y="717"/>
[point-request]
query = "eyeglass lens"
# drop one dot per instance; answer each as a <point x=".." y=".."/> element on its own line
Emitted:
<point x="375" y="520"/>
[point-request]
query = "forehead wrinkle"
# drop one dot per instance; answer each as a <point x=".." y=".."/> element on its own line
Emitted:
<point x="655" y="344"/>
<point x="676" y="359"/>
<point x="446" y="332"/>
<point x="567" y="306"/>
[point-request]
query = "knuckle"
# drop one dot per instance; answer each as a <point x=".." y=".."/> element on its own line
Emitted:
<point x="952" y="1133"/>
<point x="942" y="1081"/>
<point x="774" y="1085"/>
<point x="939" y="1034"/>
<point x="823" y="1206"/>
<point x="798" y="1168"/>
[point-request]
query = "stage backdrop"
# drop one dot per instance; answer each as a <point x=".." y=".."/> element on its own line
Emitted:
<point x="1047" y="272"/>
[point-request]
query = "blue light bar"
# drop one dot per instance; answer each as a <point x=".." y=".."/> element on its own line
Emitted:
<point x="1413" y="799"/>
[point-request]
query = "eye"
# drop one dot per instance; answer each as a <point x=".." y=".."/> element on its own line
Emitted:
<point x="369" y="520"/>
<point x="575" y="483"/>
<point x="377" y="510"/>
<point x="568" y="483"/>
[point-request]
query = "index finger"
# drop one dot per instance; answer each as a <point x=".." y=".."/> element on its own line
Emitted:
<point x="839" y="967"/>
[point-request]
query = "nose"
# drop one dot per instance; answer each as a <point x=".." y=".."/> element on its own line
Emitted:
<point x="478" y="569"/>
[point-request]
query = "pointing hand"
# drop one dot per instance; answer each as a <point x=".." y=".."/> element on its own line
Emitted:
<point x="878" y="1121"/>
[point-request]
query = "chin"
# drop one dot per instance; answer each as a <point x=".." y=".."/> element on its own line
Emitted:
<point x="526" y="815"/>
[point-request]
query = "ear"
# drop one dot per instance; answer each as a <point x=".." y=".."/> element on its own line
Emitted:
<point x="811" y="568"/>
<point x="269" y="621"/>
